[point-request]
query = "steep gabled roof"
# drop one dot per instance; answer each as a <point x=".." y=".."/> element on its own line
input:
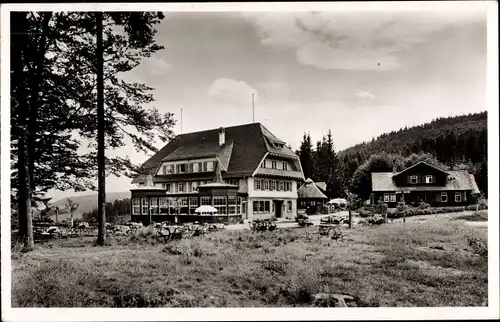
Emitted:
<point x="457" y="180"/>
<point x="419" y="164"/>
<point x="309" y="190"/>
<point x="242" y="153"/>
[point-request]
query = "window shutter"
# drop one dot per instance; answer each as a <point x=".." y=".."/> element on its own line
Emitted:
<point x="191" y="165"/>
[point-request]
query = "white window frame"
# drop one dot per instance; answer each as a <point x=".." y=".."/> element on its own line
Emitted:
<point x="274" y="164"/>
<point x="387" y="197"/>
<point x="196" y="167"/>
<point x="210" y="166"/>
<point x="273" y="185"/>
<point x="144" y="206"/>
<point x="444" y="194"/>
<point x="164" y="169"/>
<point x="393" y="197"/>
<point x="281" y="186"/>
<point x="258" y="185"/>
<point x="429" y="179"/>
<point x="285" y="165"/>
<point x="413" y="177"/>
<point x="136" y="206"/>
<point x="458" y="197"/>
<point x="266" y="185"/>
<point x="154" y="206"/>
<point x="263" y="164"/>
<point x="181" y="187"/>
<point x="194" y="185"/>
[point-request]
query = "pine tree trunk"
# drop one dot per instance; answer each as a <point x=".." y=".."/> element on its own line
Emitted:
<point x="101" y="183"/>
<point x="20" y="37"/>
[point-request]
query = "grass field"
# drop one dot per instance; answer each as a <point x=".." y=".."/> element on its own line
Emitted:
<point x="441" y="263"/>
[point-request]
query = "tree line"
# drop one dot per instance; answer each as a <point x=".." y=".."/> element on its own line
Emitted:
<point x="114" y="211"/>
<point x="452" y="143"/>
<point x="67" y="88"/>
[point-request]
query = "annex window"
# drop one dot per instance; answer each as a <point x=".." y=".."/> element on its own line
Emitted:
<point x="194" y="185"/>
<point x="288" y="186"/>
<point x="273" y="185"/>
<point x="429" y="179"/>
<point x="274" y="164"/>
<point x="182" y="168"/>
<point x="281" y="186"/>
<point x="444" y="197"/>
<point x="136" y="206"/>
<point x="387" y="197"/>
<point x="154" y="206"/>
<point x="258" y="185"/>
<point x="458" y="197"/>
<point x="181" y="187"/>
<point x="413" y="179"/>
<point x="393" y="197"/>
<point x="285" y="166"/>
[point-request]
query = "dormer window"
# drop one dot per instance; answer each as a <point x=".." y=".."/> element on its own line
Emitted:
<point x="413" y="179"/>
<point x="429" y="179"/>
<point x="285" y="165"/>
<point x="279" y="145"/>
<point x="274" y="164"/>
<point x="263" y="164"/>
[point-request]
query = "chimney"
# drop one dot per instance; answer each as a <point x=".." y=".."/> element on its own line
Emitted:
<point x="222" y="136"/>
<point x="149" y="181"/>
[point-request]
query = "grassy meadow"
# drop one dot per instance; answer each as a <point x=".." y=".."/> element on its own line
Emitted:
<point x="439" y="263"/>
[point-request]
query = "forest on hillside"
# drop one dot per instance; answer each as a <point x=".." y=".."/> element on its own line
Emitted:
<point x="459" y="142"/>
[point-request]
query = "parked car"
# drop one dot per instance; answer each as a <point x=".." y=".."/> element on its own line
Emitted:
<point x="333" y="219"/>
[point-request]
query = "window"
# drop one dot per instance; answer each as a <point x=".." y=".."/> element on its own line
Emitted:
<point x="210" y="166"/>
<point x="386" y="197"/>
<point x="163" y="205"/>
<point x="206" y="201"/>
<point x="289" y="206"/>
<point x="263" y="164"/>
<point x="429" y="179"/>
<point x="194" y="186"/>
<point x="288" y="186"/>
<point x="231" y="204"/>
<point x="189" y="186"/>
<point x="183" y="205"/>
<point x="154" y="206"/>
<point x="258" y="185"/>
<point x="193" y="204"/>
<point x="167" y="187"/>
<point x="274" y="164"/>
<point x="285" y="165"/>
<point x="234" y="182"/>
<point x="220" y="205"/>
<point x="136" y="206"/>
<point x="458" y="197"/>
<point x="393" y="197"/>
<point x="170" y="169"/>
<point x="465" y="195"/>
<point x="266" y="184"/>
<point x="196" y="167"/>
<point x="281" y="186"/>
<point x="413" y="179"/>
<point x="444" y="197"/>
<point x="145" y="206"/>
<point x="191" y="167"/>
<point x="273" y="185"/>
<point x="182" y="168"/>
<point x="164" y="169"/>
<point x="255" y="206"/>
<point x="181" y="186"/>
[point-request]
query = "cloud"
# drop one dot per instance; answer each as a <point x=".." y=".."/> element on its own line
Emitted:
<point x="350" y="40"/>
<point x="366" y="95"/>
<point x="155" y="66"/>
<point x="232" y="90"/>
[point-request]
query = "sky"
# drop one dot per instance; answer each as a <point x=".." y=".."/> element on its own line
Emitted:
<point x="359" y="74"/>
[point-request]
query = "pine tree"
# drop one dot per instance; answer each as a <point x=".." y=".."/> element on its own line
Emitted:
<point x="306" y="156"/>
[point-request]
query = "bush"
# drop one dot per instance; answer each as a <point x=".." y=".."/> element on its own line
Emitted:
<point x="364" y="212"/>
<point x="424" y="205"/>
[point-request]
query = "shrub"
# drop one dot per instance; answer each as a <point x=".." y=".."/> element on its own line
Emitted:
<point x="424" y="205"/>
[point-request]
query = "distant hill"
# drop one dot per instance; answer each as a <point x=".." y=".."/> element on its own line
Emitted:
<point x="86" y="203"/>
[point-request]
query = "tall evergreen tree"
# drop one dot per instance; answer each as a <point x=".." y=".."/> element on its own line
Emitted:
<point x="305" y="154"/>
